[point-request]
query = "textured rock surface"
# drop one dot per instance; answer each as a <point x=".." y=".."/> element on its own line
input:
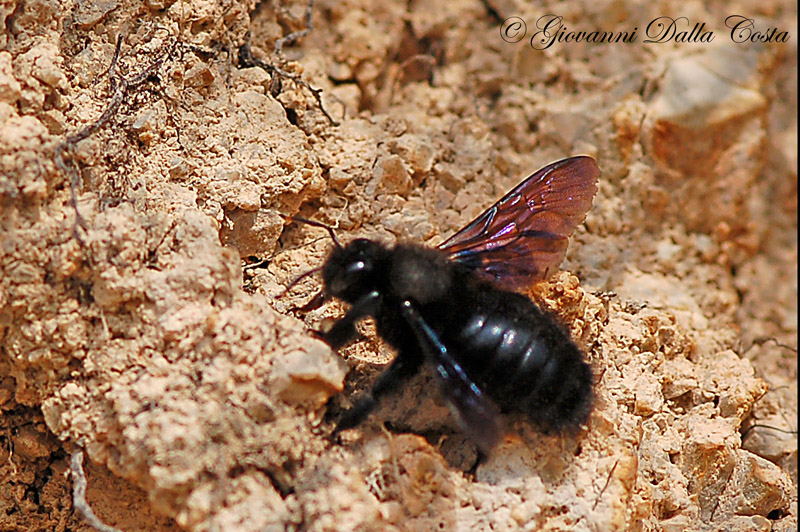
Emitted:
<point x="159" y="340"/>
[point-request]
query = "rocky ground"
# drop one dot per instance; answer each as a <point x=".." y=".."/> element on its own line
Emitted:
<point x="147" y="149"/>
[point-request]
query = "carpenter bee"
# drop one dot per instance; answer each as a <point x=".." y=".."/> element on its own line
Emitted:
<point x="492" y="349"/>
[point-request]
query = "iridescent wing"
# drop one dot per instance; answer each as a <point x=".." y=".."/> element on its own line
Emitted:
<point x="523" y="237"/>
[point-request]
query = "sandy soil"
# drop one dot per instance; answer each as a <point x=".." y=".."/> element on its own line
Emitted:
<point x="147" y="330"/>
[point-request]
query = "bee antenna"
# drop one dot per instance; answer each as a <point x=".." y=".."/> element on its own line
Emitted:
<point x="315" y="224"/>
<point x="297" y="280"/>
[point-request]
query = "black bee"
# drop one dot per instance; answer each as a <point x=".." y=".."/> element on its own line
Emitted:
<point x="492" y="349"/>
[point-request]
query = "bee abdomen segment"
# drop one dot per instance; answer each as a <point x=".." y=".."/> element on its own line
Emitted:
<point x="483" y="334"/>
<point x="531" y="361"/>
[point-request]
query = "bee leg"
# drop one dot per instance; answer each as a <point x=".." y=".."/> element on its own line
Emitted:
<point x="475" y="412"/>
<point x="401" y="369"/>
<point x="479" y="461"/>
<point x="344" y="330"/>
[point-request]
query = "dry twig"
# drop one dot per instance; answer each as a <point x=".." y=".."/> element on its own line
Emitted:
<point x="120" y="86"/>
<point x="247" y="60"/>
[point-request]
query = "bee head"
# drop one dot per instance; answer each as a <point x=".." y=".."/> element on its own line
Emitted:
<point x="352" y="271"/>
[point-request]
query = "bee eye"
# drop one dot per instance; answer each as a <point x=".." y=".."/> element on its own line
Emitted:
<point x="352" y="279"/>
<point x="356" y="267"/>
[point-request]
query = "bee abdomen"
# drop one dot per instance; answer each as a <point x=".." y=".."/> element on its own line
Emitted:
<point x="530" y="368"/>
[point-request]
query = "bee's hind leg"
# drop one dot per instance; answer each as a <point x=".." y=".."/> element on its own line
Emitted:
<point x="480" y="459"/>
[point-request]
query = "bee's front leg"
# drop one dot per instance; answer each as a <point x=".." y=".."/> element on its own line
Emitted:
<point x="343" y="330"/>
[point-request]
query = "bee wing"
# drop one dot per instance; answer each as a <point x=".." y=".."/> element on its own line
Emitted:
<point x="476" y="413"/>
<point x="523" y="237"/>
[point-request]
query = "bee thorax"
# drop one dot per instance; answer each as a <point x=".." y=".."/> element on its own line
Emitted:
<point x="419" y="274"/>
